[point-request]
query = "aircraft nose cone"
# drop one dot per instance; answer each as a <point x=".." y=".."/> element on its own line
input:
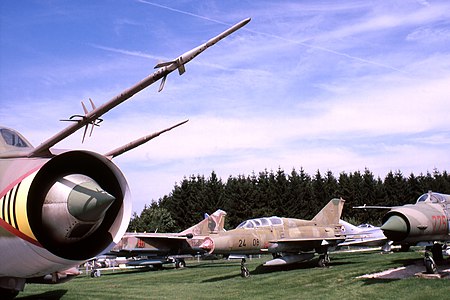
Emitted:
<point x="395" y="228"/>
<point x="88" y="202"/>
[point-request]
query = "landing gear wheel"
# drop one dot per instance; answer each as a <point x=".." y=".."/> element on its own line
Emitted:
<point x="430" y="265"/>
<point x="244" y="271"/>
<point x="180" y="263"/>
<point x="95" y="273"/>
<point x="324" y="260"/>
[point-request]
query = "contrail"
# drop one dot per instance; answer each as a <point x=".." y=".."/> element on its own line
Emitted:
<point x="280" y="38"/>
<point x="183" y="12"/>
<point x="127" y="52"/>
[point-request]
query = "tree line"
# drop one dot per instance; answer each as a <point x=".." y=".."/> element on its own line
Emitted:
<point x="275" y="193"/>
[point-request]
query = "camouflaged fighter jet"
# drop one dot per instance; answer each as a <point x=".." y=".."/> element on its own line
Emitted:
<point x="59" y="208"/>
<point x="156" y="249"/>
<point x="288" y="240"/>
<point x="427" y="222"/>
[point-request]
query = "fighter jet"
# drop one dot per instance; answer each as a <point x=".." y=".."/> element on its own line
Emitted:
<point x="425" y="222"/>
<point x="156" y="249"/>
<point x="59" y="208"/>
<point x="364" y="235"/>
<point x="288" y="240"/>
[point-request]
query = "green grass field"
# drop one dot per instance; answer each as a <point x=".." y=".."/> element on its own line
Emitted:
<point x="221" y="279"/>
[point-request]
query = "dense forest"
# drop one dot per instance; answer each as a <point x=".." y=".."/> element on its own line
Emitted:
<point x="295" y="195"/>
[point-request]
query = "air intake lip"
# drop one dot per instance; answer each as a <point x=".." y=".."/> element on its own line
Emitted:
<point x="108" y="177"/>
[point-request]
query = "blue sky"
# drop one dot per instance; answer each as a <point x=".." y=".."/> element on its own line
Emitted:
<point x="323" y="85"/>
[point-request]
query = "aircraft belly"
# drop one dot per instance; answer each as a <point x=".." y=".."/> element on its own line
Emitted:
<point x="24" y="260"/>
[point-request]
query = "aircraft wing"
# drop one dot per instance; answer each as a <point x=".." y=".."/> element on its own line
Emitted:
<point x="308" y="239"/>
<point x="373" y="207"/>
<point x="302" y="243"/>
<point x="147" y="262"/>
<point x="363" y="241"/>
<point x="156" y="235"/>
<point x="142" y="244"/>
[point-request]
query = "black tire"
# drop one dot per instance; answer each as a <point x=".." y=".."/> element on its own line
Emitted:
<point x="324" y="260"/>
<point x="180" y="264"/>
<point x="430" y="265"/>
<point x="245" y="272"/>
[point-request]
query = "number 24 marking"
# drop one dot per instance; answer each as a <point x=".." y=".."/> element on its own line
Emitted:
<point x="243" y="244"/>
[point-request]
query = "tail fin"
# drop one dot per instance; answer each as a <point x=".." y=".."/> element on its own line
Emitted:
<point x="211" y="224"/>
<point x="349" y="228"/>
<point x="331" y="213"/>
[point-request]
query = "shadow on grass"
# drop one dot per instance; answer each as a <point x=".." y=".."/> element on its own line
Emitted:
<point x="53" y="295"/>
<point x="260" y="269"/>
<point x="313" y="264"/>
<point x="371" y="281"/>
<point x="168" y="268"/>
<point x="133" y="271"/>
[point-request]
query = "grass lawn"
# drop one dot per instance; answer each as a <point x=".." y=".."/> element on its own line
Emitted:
<point x="221" y="280"/>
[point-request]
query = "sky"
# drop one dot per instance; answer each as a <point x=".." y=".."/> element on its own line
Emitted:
<point x="335" y="86"/>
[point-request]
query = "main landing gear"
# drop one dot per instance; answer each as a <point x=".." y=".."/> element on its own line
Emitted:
<point x="429" y="263"/>
<point x="429" y="260"/>
<point x="244" y="271"/>
<point x="180" y="263"/>
<point x="324" y="260"/>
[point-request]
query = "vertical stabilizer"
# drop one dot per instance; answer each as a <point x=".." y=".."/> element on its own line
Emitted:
<point x="211" y="224"/>
<point x="350" y="228"/>
<point x="331" y="213"/>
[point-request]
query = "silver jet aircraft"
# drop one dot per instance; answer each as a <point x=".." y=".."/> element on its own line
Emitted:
<point x="364" y="235"/>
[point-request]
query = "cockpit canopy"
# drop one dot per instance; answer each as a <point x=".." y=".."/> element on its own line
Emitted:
<point x="366" y="226"/>
<point x="11" y="140"/>
<point x="261" y="222"/>
<point x="432" y="197"/>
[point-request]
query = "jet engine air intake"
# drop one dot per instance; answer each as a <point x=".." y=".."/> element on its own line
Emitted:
<point x="76" y="204"/>
<point x="396" y="226"/>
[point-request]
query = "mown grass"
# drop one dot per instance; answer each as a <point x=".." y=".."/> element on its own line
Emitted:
<point x="221" y="280"/>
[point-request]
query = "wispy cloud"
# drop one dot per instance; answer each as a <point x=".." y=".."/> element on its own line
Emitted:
<point x="323" y="85"/>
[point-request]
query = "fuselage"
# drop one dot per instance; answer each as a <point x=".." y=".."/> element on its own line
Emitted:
<point x="426" y="221"/>
<point x="272" y="235"/>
